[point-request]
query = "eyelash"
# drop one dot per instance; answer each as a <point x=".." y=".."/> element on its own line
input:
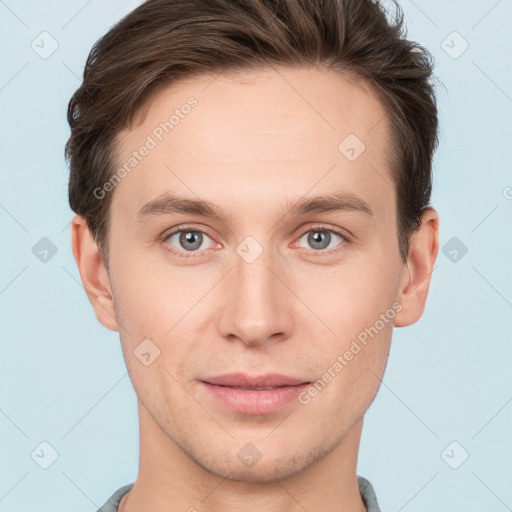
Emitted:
<point x="196" y="254"/>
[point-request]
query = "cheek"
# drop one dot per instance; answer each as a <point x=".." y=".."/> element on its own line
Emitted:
<point x="348" y="298"/>
<point x="352" y="342"/>
<point x="148" y="298"/>
<point x="158" y="305"/>
<point x="353" y="367"/>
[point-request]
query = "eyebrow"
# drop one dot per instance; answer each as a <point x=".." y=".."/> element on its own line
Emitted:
<point x="168" y="204"/>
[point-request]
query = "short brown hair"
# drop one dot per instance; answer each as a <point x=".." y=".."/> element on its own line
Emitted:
<point x="163" y="41"/>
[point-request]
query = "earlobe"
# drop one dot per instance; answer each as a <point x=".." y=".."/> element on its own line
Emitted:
<point x="93" y="273"/>
<point x="417" y="272"/>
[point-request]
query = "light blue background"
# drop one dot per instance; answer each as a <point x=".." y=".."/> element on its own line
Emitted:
<point x="63" y="378"/>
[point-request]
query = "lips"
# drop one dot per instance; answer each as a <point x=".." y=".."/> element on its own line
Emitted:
<point x="254" y="395"/>
<point x="255" y="389"/>
<point x="258" y="382"/>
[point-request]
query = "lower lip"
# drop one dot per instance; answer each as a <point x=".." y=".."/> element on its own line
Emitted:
<point x="255" y="402"/>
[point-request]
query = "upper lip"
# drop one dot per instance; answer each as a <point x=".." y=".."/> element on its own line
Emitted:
<point x="256" y="381"/>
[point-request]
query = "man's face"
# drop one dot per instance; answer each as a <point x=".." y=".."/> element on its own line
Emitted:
<point x="264" y="288"/>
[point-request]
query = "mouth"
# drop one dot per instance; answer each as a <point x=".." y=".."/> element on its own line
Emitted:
<point x="252" y="389"/>
<point x="259" y="382"/>
<point x="263" y="394"/>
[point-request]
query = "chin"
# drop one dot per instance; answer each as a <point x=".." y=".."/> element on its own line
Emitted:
<point x="238" y="466"/>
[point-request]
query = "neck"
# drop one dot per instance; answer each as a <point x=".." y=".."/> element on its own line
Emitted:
<point x="169" y="480"/>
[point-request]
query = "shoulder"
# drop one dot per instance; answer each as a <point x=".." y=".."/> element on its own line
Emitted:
<point x="113" y="502"/>
<point x="368" y="494"/>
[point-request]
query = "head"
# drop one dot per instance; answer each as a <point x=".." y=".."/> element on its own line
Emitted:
<point x="296" y="140"/>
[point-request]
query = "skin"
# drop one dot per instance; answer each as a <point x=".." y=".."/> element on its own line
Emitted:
<point x="255" y="144"/>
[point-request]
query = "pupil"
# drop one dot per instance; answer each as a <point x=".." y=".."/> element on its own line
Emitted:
<point x="317" y="237"/>
<point x="188" y="238"/>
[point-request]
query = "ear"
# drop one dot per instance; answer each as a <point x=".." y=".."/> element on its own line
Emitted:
<point x="93" y="273"/>
<point x="416" y="275"/>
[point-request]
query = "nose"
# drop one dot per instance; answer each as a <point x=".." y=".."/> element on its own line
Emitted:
<point x="257" y="305"/>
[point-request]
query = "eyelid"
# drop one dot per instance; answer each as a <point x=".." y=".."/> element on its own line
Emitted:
<point x="185" y="227"/>
<point x="325" y="227"/>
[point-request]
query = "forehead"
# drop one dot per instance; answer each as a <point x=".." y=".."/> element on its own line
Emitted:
<point x="277" y="132"/>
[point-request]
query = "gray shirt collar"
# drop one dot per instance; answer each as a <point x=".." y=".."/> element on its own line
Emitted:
<point x="365" y="488"/>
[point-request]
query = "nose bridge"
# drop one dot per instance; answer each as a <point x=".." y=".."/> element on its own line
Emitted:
<point x="256" y="307"/>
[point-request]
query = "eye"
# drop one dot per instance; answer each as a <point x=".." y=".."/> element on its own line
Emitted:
<point x="321" y="239"/>
<point x="187" y="240"/>
<point x="190" y="241"/>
